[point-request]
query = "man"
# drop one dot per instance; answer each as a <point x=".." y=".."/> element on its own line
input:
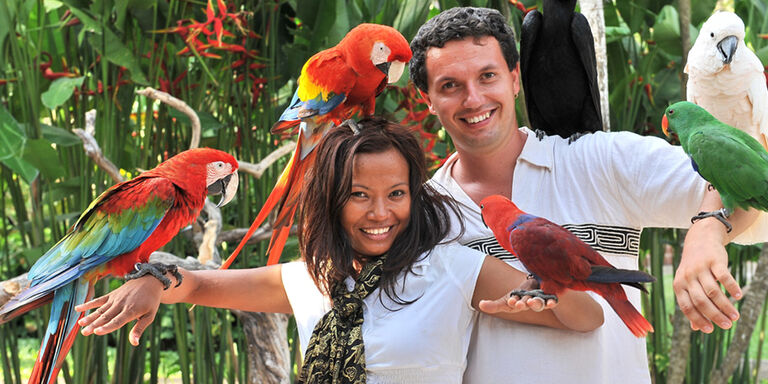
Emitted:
<point x="605" y="187"/>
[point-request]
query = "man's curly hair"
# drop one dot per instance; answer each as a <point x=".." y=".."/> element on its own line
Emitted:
<point x="456" y="24"/>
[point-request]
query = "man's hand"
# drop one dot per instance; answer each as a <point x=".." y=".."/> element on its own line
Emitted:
<point x="703" y="269"/>
<point x="515" y="304"/>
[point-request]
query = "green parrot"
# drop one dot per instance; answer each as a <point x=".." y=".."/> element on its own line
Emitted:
<point x="732" y="161"/>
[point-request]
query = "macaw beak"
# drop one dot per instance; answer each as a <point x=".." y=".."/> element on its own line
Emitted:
<point x="665" y="125"/>
<point x="226" y="186"/>
<point x="393" y="70"/>
<point x="727" y="47"/>
<point x="384" y="67"/>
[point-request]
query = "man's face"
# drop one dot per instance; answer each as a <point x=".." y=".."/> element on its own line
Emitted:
<point x="472" y="91"/>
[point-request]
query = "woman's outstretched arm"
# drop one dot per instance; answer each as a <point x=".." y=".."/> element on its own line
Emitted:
<point x="253" y="290"/>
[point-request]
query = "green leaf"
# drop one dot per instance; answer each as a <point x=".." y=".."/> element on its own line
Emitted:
<point x="207" y="120"/>
<point x="40" y="154"/>
<point x="21" y="168"/>
<point x="60" y="136"/>
<point x="52" y="5"/>
<point x="666" y="31"/>
<point x="104" y="41"/>
<point x="7" y="14"/>
<point x="117" y="53"/>
<point x="60" y="91"/>
<point x="762" y="54"/>
<point x="411" y="16"/>
<point x="12" y="137"/>
<point x="701" y="10"/>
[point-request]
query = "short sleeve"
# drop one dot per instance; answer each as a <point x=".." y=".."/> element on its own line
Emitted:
<point x="656" y="180"/>
<point x="462" y="265"/>
<point x="307" y="303"/>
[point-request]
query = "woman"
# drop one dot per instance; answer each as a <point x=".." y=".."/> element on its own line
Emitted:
<point x="380" y="295"/>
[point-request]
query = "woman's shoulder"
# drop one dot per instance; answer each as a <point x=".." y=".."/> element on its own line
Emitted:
<point x="452" y="253"/>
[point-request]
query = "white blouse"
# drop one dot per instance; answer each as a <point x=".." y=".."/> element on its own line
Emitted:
<point x="422" y="342"/>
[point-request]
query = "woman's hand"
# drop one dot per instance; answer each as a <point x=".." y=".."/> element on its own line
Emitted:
<point x="137" y="299"/>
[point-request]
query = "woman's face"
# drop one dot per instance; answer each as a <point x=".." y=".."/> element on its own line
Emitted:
<point x="379" y="207"/>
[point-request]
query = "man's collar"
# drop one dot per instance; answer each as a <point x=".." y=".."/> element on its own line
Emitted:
<point x="535" y="151"/>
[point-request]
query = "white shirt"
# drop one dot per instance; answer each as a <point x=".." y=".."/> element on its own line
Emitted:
<point x="422" y="342"/>
<point x="604" y="187"/>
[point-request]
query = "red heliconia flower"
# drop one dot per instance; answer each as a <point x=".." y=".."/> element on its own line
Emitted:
<point x="521" y="7"/>
<point x="648" y="92"/>
<point x="48" y="73"/>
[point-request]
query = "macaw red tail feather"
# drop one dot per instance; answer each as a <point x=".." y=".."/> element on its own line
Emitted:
<point x="16" y="312"/>
<point x="635" y="321"/>
<point x="285" y="128"/>
<point x="284" y="220"/>
<point x="285" y="196"/>
<point x="277" y="243"/>
<point x="61" y="331"/>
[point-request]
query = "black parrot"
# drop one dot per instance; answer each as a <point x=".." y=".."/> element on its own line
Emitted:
<point x="558" y="70"/>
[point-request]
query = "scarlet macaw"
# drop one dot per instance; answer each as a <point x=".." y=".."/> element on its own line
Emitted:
<point x="334" y="85"/>
<point x="731" y="160"/>
<point x="559" y="260"/>
<point x="116" y="234"/>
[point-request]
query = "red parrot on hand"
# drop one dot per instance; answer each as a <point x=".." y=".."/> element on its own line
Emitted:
<point x="114" y="236"/>
<point x="559" y="260"/>
<point x="334" y="85"/>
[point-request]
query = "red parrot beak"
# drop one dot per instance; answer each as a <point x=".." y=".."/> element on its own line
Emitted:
<point x="665" y="125"/>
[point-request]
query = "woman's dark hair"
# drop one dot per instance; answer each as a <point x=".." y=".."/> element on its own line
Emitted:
<point x="457" y="24"/>
<point x="323" y="241"/>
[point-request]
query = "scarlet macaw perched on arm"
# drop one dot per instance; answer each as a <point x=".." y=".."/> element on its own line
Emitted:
<point x="334" y="85"/>
<point x="114" y="236"/>
<point x="559" y="260"/>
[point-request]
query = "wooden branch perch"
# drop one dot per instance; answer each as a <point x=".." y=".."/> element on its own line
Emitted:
<point x="10" y="288"/>
<point x="178" y="105"/>
<point x="93" y="150"/>
<point x="257" y="170"/>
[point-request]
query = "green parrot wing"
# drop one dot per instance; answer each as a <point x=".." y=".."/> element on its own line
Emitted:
<point x="118" y="221"/>
<point x="736" y="167"/>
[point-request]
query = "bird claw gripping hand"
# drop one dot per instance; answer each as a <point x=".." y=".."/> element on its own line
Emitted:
<point x="535" y="294"/>
<point x="158" y="270"/>
<point x="721" y="215"/>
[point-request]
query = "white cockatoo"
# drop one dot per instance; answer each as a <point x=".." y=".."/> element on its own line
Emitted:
<point x="726" y="78"/>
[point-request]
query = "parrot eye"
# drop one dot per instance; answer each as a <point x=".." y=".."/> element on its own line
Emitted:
<point x="711" y="34"/>
<point x="671" y="111"/>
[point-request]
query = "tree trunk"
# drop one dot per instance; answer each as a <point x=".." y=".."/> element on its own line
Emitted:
<point x="593" y="11"/>
<point x="269" y="359"/>
<point x="754" y="297"/>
